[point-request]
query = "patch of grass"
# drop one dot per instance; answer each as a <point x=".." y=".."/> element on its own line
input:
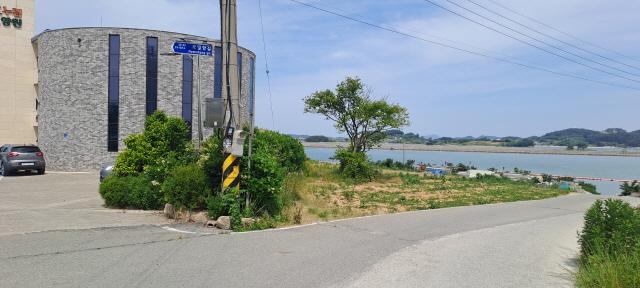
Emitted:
<point x="606" y="270"/>
<point x="323" y="215"/>
<point x="348" y="194"/>
<point x="323" y="194"/>
<point x="410" y="179"/>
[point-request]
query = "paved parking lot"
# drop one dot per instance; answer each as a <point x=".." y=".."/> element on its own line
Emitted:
<point x="60" y="201"/>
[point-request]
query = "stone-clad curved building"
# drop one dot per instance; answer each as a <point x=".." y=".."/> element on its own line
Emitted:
<point x="96" y="86"/>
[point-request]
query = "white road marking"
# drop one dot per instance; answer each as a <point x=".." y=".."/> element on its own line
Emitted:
<point x="177" y="230"/>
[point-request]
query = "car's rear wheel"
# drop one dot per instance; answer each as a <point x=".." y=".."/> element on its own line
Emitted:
<point x="40" y="171"/>
<point x="4" y="171"/>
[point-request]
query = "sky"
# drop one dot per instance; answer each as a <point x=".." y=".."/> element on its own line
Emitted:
<point x="446" y="92"/>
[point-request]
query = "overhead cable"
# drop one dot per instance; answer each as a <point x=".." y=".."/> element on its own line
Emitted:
<point x="501" y="59"/>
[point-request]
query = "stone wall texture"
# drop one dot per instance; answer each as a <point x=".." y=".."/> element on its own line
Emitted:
<point x="72" y="90"/>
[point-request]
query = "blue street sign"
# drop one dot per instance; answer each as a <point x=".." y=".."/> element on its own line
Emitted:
<point x="192" y="48"/>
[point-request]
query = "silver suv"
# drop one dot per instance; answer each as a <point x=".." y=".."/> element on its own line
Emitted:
<point x="21" y="157"/>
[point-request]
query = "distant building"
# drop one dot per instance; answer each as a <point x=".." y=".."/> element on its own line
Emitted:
<point x="476" y="173"/>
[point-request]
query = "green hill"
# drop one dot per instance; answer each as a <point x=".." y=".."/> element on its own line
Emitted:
<point x="608" y="137"/>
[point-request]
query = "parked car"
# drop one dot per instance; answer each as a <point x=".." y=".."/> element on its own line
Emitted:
<point x="105" y="171"/>
<point x="15" y="157"/>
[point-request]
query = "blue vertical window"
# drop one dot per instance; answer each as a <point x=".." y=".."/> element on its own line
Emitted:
<point x="113" y="92"/>
<point x="152" y="76"/>
<point x="252" y="86"/>
<point x="239" y="74"/>
<point x="187" y="91"/>
<point x="217" y="72"/>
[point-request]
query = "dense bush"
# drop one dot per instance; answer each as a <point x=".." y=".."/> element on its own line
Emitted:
<point x="147" y="159"/>
<point x="610" y="225"/>
<point x="220" y="204"/>
<point x="273" y="156"/>
<point x="390" y="164"/>
<point x="287" y="150"/>
<point x="263" y="182"/>
<point x="130" y="192"/>
<point x="610" y="246"/>
<point x="185" y="187"/>
<point x="461" y="168"/>
<point x="628" y="188"/>
<point x="589" y="187"/>
<point x="163" y="145"/>
<point x="211" y="159"/>
<point x="355" y="165"/>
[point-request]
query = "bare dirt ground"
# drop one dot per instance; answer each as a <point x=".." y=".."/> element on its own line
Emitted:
<point x="487" y="149"/>
<point x="61" y="201"/>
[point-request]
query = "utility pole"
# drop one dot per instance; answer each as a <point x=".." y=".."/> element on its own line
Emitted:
<point x="233" y="135"/>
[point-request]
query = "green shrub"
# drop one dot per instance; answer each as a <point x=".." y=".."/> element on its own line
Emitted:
<point x="610" y="246"/>
<point x="287" y="150"/>
<point x="215" y="206"/>
<point x="274" y="155"/>
<point x="355" y="165"/>
<point x="605" y="270"/>
<point x="211" y="158"/>
<point x="115" y="191"/>
<point x="219" y="205"/>
<point x="589" y="187"/>
<point x="264" y="181"/>
<point x="628" y="188"/>
<point x="130" y="192"/>
<point x="610" y="226"/>
<point x="164" y="144"/>
<point x="185" y="187"/>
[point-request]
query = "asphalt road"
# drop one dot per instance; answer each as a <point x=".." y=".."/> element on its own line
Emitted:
<point x="523" y="244"/>
<point x="55" y="201"/>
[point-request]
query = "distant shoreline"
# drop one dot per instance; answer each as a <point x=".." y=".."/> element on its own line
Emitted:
<point x="483" y="149"/>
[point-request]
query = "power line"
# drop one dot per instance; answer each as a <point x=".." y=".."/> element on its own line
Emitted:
<point x="395" y="31"/>
<point x="551" y="36"/>
<point x="562" y="32"/>
<point x="420" y="33"/>
<point x="534" y="45"/>
<point x="266" y="65"/>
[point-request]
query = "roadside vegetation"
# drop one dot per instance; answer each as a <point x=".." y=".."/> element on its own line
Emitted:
<point x="161" y="165"/>
<point x="356" y="186"/>
<point x="322" y="192"/>
<point x="629" y="187"/>
<point x="610" y="246"/>
<point x="279" y="186"/>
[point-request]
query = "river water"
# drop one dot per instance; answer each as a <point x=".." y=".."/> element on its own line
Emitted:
<point x="616" y="167"/>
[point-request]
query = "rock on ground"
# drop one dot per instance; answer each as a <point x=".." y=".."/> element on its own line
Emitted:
<point x="224" y="222"/>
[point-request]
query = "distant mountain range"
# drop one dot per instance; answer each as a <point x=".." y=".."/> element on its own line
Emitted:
<point x="568" y="137"/>
<point x="607" y="137"/>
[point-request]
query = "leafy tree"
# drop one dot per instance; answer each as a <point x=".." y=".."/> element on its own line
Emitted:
<point x="394" y="132"/>
<point x="520" y="143"/>
<point x="363" y="119"/>
<point x="581" y="146"/>
<point x="547" y="178"/>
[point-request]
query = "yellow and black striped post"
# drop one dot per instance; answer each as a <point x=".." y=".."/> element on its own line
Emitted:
<point x="230" y="171"/>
